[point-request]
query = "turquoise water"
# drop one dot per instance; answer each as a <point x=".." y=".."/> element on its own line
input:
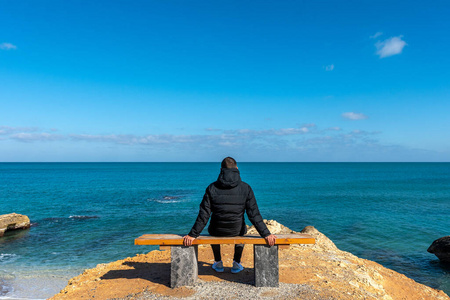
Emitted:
<point x="84" y="214"/>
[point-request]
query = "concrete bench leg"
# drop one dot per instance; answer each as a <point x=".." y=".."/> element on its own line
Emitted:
<point x="184" y="266"/>
<point x="266" y="265"/>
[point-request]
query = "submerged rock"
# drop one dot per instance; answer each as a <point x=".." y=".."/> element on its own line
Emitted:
<point x="441" y="248"/>
<point x="12" y="222"/>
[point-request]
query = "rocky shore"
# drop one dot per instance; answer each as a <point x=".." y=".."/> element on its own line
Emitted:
<point x="319" y="271"/>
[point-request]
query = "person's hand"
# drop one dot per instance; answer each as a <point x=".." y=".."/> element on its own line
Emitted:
<point x="270" y="239"/>
<point x="187" y="240"/>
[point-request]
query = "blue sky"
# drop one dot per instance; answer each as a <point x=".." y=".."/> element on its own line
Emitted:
<point x="200" y="80"/>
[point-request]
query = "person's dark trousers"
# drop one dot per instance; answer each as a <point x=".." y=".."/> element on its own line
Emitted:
<point x="238" y="249"/>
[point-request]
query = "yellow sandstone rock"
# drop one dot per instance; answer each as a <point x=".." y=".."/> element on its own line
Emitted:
<point x="12" y="222"/>
<point x="322" y="271"/>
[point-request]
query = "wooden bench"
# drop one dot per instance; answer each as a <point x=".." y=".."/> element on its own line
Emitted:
<point x="184" y="260"/>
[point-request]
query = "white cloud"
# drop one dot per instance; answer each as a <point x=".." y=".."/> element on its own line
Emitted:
<point x="272" y="132"/>
<point x="215" y="137"/>
<point x="245" y="131"/>
<point x="228" y="144"/>
<point x="354" y="116"/>
<point x="391" y="46"/>
<point x="6" y="130"/>
<point x="31" y="137"/>
<point x="131" y="139"/>
<point x="306" y="142"/>
<point x="28" y="134"/>
<point x="290" y="131"/>
<point x="376" y="35"/>
<point x="329" y="67"/>
<point x="334" y="129"/>
<point x="8" y="46"/>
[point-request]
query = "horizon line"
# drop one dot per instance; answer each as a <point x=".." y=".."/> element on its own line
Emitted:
<point x="194" y="162"/>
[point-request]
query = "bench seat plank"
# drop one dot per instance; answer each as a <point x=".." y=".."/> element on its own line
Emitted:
<point x="184" y="260"/>
<point x="175" y="239"/>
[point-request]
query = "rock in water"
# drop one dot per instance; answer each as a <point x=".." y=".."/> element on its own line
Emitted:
<point x="441" y="248"/>
<point x="12" y="222"/>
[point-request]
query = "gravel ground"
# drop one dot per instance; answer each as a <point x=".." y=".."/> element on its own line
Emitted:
<point x="234" y="290"/>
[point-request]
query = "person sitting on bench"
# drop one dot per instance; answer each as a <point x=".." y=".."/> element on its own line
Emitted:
<point x="226" y="200"/>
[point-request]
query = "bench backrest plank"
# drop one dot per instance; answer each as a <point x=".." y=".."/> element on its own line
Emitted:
<point x="176" y="240"/>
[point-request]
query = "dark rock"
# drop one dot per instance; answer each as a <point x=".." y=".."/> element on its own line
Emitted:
<point x="441" y="248"/>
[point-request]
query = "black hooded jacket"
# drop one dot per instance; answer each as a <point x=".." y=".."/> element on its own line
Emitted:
<point x="225" y="201"/>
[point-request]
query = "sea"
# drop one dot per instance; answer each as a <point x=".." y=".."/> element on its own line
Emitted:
<point x="84" y="214"/>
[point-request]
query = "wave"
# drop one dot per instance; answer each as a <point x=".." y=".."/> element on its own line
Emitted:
<point x="54" y="219"/>
<point x="7" y="258"/>
<point x="171" y="197"/>
<point x="64" y="220"/>
<point x="78" y="217"/>
<point x="167" y="199"/>
<point x="5" y="289"/>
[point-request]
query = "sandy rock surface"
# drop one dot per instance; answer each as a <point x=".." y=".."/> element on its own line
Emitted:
<point x="12" y="222"/>
<point x="320" y="271"/>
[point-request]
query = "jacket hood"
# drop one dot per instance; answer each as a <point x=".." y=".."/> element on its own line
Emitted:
<point x="229" y="178"/>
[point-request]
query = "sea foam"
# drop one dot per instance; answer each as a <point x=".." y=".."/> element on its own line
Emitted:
<point x="7" y="258"/>
<point x="83" y="217"/>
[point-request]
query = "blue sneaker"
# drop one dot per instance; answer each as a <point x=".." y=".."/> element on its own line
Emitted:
<point x="218" y="266"/>
<point x="237" y="267"/>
